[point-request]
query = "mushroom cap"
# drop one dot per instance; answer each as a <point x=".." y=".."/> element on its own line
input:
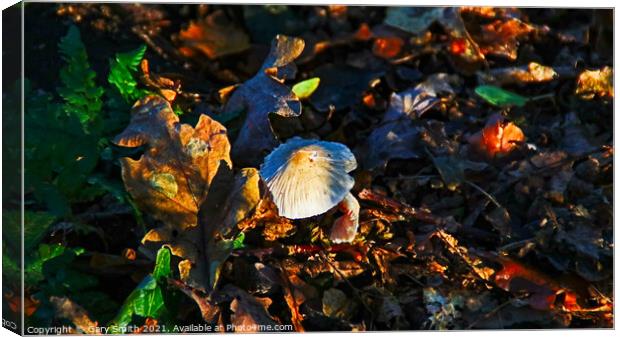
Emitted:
<point x="308" y="177"/>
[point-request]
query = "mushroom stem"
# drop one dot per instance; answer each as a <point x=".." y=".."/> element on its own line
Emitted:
<point x="345" y="227"/>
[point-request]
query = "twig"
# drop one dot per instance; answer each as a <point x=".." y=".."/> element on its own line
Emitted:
<point x="515" y="244"/>
<point x="491" y="198"/>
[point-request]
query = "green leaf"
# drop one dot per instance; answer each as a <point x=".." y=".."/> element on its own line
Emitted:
<point x="122" y="72"/>
<point x="305" y="88"/>
<point x="147" y="300"/>
<point x="162" y="264"/>
<point x="500" y="97"/>
<point x="81" y="94"/>
<point x="238" y="242"/>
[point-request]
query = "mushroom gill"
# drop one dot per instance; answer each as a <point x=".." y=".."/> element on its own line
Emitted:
<point x="308" y="177"/>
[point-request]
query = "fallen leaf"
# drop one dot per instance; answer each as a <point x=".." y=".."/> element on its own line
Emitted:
<point x="415" y="20"/>
<point x="304" y="89"/>
<point x="502" y="37"/>
<point x="385" y="306"/>
<point x="214" y="36"/>
<point x="172" y="177"/>
<point x="262" y="96"/>
<point x="452" y="169"/>
<point x="397" y="134"/>
<point x="497" y="137"/>
<point x="596" y="83"/>
<point x="532" y="73"/>
<point x="500" y="97"/>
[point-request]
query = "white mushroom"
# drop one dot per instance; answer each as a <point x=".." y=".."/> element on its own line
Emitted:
<point x="309" y="177"/>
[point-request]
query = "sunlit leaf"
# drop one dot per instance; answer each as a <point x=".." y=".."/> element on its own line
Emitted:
<point x="305" y="88"/>
<point x="591" y="83"/>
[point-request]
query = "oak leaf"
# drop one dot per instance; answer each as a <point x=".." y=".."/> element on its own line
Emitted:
<point x="173" y="176"/>
<point x="263" y="96"/>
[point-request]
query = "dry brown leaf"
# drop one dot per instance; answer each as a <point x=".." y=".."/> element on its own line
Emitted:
<point x="172" y="178"/>
<point x="214" y="36"/>
<point x="262" y="96"/>
<point x="592" y="83"/>
<point x="532" y="73"/>
<point x="502" y="37"/>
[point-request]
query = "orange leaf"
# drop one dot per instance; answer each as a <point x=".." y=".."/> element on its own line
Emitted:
<point x="497" y="137"/>
<point x="502" y="37"/>
<point x="387" y="47"/>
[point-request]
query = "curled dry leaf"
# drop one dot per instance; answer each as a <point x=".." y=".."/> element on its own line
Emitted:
<point x="596" y="83"/>
<point x="262" y="96"/>
<point x="532" y="73"/>
<point x="497" y="137"/>
<point x="397" y="134"/>
<point x="214" y="36"/>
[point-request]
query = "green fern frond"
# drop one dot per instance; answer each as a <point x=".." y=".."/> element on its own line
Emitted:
<point x="122" y="70"/>
<point x="81" y="94"/>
